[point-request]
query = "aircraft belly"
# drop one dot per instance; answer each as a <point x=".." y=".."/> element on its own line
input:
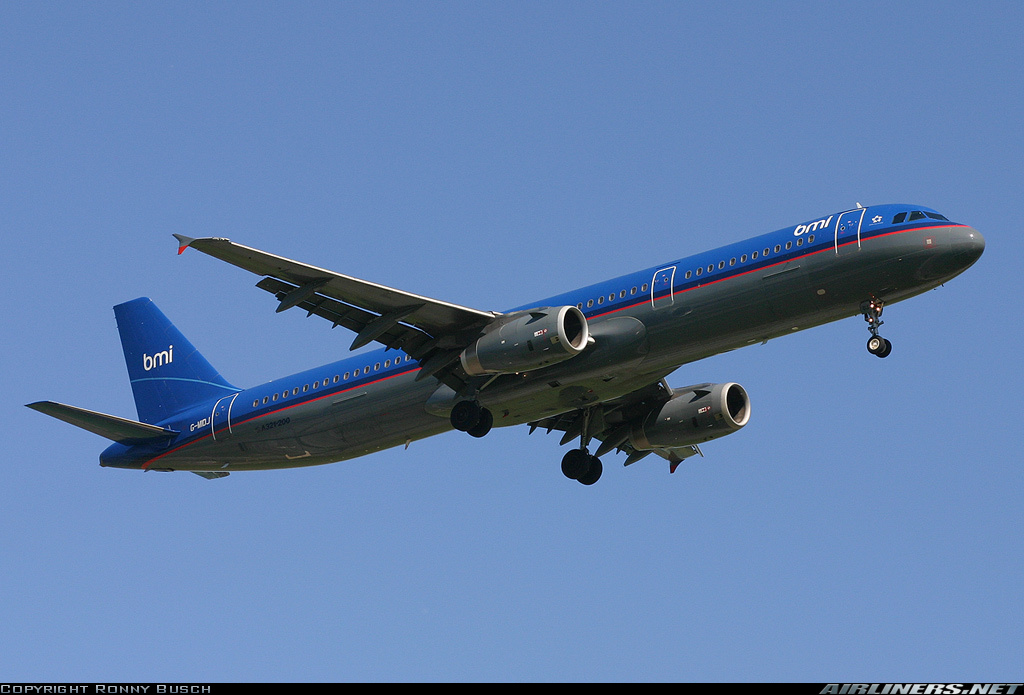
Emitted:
<point x="708" y="319"/>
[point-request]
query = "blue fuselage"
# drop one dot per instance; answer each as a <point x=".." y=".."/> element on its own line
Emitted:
<point x="644" y="325"/>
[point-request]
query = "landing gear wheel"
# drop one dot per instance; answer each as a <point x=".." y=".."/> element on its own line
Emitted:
<point x="593" y="473"/>
<point x="483" y="425"/>
<point x="575" y="463"/>
<point x="465" y="415"/>
<point x="879" y="346"/>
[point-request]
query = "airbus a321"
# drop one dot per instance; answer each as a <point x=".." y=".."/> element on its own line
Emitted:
<point x="590" y="363"/>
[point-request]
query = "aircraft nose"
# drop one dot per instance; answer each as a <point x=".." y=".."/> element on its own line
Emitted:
<point x="967" y="244"/>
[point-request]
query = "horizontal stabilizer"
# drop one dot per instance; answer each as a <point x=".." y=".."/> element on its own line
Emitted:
<point x="112" y="427"/>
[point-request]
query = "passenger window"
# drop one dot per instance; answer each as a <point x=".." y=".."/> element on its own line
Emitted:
<point x="622" y="294"/>
<point x="789" y="245"/>
<point x="743" y="258"/>
<point x="732" y="261"/>
<point x="366" y="369"/>
<point x="643" y="287"/>
<point x="778" y="247"/>
<point x="699" y="271"/>
<point x="284" y="395"/>
<point x="256" y="403"/>
<point x="916" y="215"/>
<point x="387" y="363"/>
<point x="689" y="274"/>
<point x="800" y="241"/>
<point x="345" y="377"/>
<point x="265" y="399"/>
<point x="305" y="387"/>
<point x="376" y="367"/>
<point x="295" y="391"/>
<point x="274" y="397"/>
<point x="336" y="378"/>
<point x="633" y="291"/>
<point x="590" y="303"/>
<point x="753" y="256"/>
<point x="600" y="300"/>
<point x="316" y="384"/>
<point x="810" y="239"/>
<point x="611" y="297"/>
<point x="711" y="267"/>
<point x="721" y="264"/>
<point x="766" y="252"/>
<point x="899" y="218"/>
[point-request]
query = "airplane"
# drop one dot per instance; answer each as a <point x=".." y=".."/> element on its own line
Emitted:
<point x="590" y="363"/>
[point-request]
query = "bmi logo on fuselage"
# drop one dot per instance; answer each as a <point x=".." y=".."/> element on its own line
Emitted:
<point x="813" y="226"/>
<point x="159" y="359"/>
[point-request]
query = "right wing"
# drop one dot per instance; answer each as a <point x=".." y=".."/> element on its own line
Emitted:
<point x="429" y="330"/>
<point x="610" y="423"/>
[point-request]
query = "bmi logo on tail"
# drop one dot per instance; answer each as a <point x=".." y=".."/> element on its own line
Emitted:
<point x="159" y="359"/>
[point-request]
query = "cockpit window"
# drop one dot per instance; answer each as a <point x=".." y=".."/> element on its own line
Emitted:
<point x="916" y="215"/>
<point x="937" y="216"/>
<point x="899" y="218"/>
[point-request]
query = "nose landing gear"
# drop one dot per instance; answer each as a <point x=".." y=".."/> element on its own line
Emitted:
<point x="877" y="345"/>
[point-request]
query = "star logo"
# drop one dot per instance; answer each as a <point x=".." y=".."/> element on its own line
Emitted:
<point x="876" y="219"/>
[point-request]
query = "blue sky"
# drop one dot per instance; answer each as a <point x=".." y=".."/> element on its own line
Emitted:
<point x="864" y="526"/>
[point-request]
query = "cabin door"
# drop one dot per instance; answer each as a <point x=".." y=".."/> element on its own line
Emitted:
<point x="220" y="422"/>
<point x="848" y="231"/>
<point x="661" y="288"/>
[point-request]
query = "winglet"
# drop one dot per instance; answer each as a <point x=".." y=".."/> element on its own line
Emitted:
<point x="183" y="242"/>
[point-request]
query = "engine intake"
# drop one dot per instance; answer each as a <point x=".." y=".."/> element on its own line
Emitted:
<point x="527" y="340"/>
<point x="693" y="415"/>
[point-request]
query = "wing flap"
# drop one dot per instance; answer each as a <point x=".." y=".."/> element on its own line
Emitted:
<point x="394" y="335"/>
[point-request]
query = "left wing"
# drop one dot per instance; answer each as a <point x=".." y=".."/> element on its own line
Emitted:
<point x="429" y="330"/>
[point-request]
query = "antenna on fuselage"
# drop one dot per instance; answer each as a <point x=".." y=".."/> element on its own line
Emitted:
<point x="859" y="206"/>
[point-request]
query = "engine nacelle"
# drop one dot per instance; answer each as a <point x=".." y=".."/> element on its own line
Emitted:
<point x="527" y="340"/>
<point x="693" y="415"/>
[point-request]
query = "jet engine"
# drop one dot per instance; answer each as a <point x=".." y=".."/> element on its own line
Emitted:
<point x="527" y="340"/>
<point x="693" y="415"/>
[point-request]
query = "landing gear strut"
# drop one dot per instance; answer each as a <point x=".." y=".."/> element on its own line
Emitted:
<point x="579" y="464"/>
<point x="472" y="418"/>
<point x="877" y="345"/>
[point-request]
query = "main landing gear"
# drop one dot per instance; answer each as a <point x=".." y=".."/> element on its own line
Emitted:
<point x="472" y="418"/>
<point x="579" y="464"/>
<point x="877" y="345"/>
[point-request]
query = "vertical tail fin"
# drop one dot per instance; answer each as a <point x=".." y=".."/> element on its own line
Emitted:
<point x="168" y="374"/>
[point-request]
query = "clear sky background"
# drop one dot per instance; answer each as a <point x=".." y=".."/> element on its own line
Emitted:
<point x="866" y="525"/>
